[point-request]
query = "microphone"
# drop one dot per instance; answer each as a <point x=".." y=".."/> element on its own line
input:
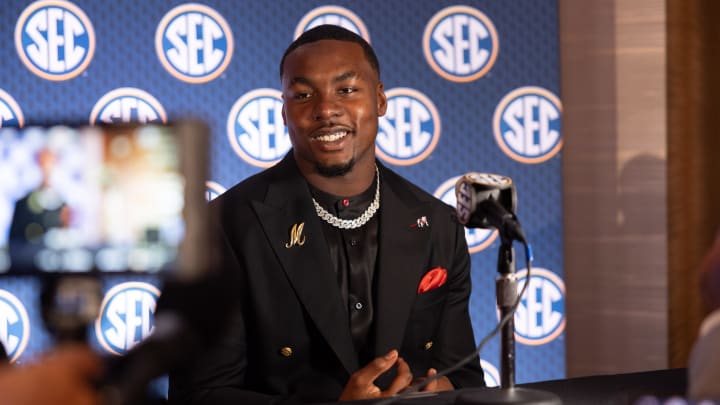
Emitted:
<point x="486" y="200"/>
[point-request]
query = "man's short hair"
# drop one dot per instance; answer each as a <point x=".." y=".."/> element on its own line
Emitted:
<point x="333" y="32"/>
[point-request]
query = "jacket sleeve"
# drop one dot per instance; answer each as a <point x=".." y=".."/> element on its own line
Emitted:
<point x="455" y="337"/>
<point x="216" y="372"/>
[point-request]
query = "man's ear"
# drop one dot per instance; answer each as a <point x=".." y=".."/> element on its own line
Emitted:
<point x="381" y="99"/>
<point x="283" y="112"/>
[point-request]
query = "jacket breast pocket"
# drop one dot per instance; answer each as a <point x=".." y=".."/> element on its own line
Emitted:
<point x="430" y="300"/>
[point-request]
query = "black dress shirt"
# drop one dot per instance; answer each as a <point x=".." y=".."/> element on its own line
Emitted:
<point x="353" y="253"/>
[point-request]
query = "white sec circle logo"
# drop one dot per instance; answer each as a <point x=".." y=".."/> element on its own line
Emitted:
<point x="128" y="104"/>
<point x="14" y="325"/>
<point x="460" y="43"/>
<point x="10" y="113"/>
<point x="526" y="124"/>
<point x="333" y="15"/>
<point x="490" y="374"/>
<point x="410" y="128"/>
<point x="55" y="39"/>
<point x="476" y="238"/>
<point x="256" y="129"/>
<point x="194" y="43"/>
<point x="213" y="190"/>
<point x="126" y="316"/>
<point x="540" y="317"/>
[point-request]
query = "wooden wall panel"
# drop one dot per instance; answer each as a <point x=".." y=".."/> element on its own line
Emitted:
<point x="694" y="166"/>
<point x="614" y="125"/>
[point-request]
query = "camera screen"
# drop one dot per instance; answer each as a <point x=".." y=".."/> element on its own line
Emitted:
<point x="79" y="199"/>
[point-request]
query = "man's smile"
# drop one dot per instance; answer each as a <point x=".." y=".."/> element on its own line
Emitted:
<point x="331" y="136"/>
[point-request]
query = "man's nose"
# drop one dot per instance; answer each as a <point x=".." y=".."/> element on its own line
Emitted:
<point x="326" y="106"/>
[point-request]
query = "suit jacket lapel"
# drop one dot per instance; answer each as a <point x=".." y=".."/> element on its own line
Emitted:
<point x="308" y="268"/>
<point x="402" y="251"/>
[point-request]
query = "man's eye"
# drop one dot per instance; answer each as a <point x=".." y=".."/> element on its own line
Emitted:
<point x="302" y="96"/>
<point x="348" y="90"/>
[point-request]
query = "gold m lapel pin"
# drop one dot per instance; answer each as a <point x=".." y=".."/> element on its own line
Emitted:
<point x="296" y="236"/>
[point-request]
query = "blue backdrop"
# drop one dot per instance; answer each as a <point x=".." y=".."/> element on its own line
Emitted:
<point x="471" y="87"/>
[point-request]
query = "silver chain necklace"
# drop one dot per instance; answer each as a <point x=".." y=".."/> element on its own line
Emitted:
<point x="352" y="223"/>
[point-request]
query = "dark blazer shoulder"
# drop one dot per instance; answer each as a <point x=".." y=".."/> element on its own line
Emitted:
<point x="255" y="187"/>
<point x="251" y="188"/>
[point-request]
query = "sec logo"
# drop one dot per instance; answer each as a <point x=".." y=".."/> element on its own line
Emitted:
<point x="333" y="15"/>
<point x="540" y="317"/>
<point x="256" y="129"/>
<point x="127" y="104"/>
<point x="409" y="130"/>
<point x="126" y="316"/>
<point x="490" y="374"/>
<point x="14" y="325"/>
<point x="10" y="113"/>
<point x="526" y="124"/>
<point x="213" y="190"/>
<point x="194" y="43"/>
<point x="460" y="43"/>
<point x="477" y="238"/>
<point x="54" y="39"/>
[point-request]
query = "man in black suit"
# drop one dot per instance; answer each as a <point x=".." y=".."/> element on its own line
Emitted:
<point x="36" y="214"/>
<point x="351" y="281"/>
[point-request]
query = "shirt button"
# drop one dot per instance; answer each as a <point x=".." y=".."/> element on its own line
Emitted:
<point x="286" y="351"/>
<point x="353" y="242"/>
<point x="358" y="305"/>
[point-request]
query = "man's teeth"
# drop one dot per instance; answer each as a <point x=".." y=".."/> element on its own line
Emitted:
<point x="332" y="137"/>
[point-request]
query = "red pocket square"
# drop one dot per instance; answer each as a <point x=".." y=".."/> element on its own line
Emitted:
<point x="432" y="279"/>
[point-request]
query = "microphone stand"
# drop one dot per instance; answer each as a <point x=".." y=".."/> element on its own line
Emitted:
<point x="506" y="294"/>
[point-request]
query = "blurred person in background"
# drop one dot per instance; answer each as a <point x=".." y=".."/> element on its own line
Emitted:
<point x="704" y="363"/>
<point x="35" y="214"/>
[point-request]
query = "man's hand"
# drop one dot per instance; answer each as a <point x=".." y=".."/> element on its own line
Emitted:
<point x="61" y="377"/>
<point x="362" y="383"/>
<point x="441" y="384"/>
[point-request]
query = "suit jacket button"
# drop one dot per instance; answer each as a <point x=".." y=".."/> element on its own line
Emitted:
<point x="286" y="351"/>
<point x="428" y="345"/>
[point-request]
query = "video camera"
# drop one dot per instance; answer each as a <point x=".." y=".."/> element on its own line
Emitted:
<point x="82" y="205"/>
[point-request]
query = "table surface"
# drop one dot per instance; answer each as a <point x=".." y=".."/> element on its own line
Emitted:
<point x="615" y="389"/>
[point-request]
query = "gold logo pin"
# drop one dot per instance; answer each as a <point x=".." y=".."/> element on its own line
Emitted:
<point x="296" y="236"/>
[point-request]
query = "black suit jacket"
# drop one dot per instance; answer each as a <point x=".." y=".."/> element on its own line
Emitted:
<point x="289" y="337"/>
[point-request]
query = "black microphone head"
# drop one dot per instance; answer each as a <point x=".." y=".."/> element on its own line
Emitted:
<point x="474" y="188"/>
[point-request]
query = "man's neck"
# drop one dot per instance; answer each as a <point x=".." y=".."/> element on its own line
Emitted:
<point x="352" y="183"/>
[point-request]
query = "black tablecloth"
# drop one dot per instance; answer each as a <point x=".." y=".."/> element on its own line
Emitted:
<point x="616" y="389"/>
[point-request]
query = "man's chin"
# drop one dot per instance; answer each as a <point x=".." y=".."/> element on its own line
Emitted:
<point x="336" y="170"/>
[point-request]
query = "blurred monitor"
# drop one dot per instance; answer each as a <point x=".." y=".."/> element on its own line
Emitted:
<point x="106" y="199"/>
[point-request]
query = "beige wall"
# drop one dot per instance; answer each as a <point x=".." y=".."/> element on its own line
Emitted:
<point x="613" y="75"/>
